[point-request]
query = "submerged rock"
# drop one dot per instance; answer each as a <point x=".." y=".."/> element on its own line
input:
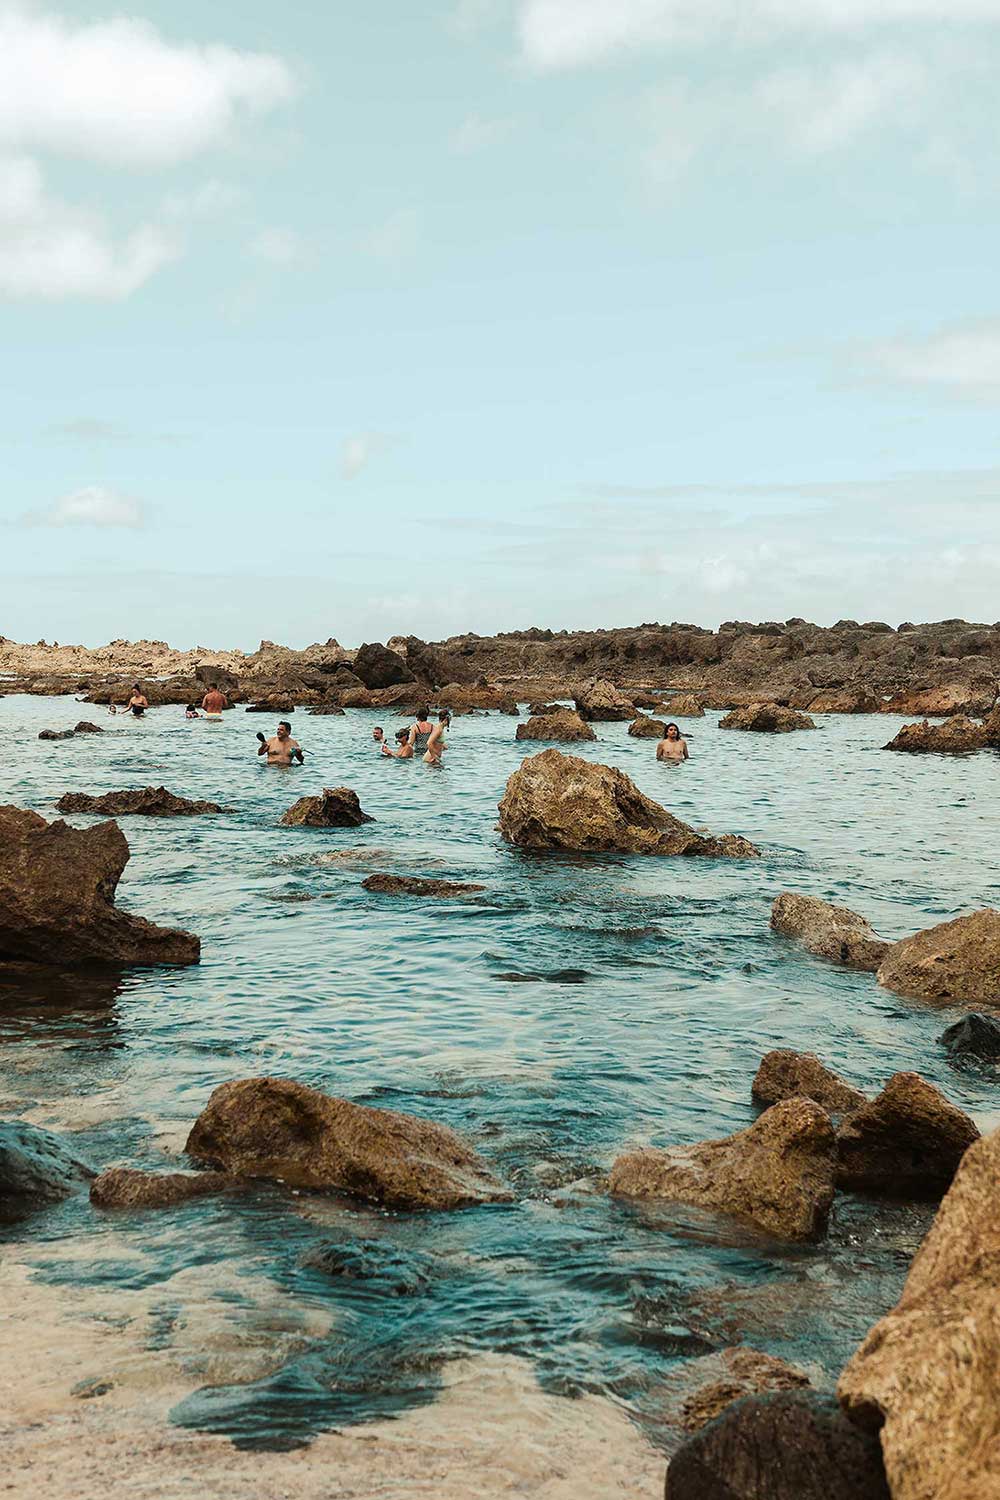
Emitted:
<point x="85" y="727"/>
<point x="925" y="1378"/>
<point x="562" y="724"/>
<point x="956" y="736"/>
<point x="954" y="963"/>
<point x="766" y="718"/>
<point x="414" y="885"/>
<point x="601" y="700"/>
<point x="721" y="1378"/>
<point x="36" y="1168"/>
<point x="388" y="1269"/>
<point x="644" y="728"/>
<point x="975" y="1035"/>
<point x="56" y="734"/>
<point x="553" y="976"/>
<point x="790" y="1075"/>
<point x="147" y="801"/>
<point x="335" y="807"/>
<point x="829" y="931"/>
<point x="778" y="1173"/>
<point x="57" y="891"/>
<point x="906" y="1143"/>
<point x="124" y="1187"/>
<point x="557" y="801"/>
<point x="790" y="1445"/>
<point x="274" y="1128"/>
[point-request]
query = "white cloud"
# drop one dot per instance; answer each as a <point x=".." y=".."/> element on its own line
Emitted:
<point x="279" y="247"/>
<point x="52" y="249"/>
<point x="360" y="448"/>
<point x="825" y="109"/>
<point x="962" y="360"/>
<point x="574" y="33"/>
<point x="116" y="91"/>
<point x="92" y="506"/>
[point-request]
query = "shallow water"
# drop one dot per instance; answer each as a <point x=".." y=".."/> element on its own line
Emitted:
<point x="401" y="1003"/>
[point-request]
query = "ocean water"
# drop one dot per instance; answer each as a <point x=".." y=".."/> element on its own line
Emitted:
<point x="407" y="1003"/>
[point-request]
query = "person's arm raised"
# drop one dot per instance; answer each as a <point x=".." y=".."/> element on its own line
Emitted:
<point x="262" y="748"/>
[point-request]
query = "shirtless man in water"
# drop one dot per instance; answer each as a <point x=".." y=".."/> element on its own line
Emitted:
<point x="281" y="749"/>
<point x="673" y="746"/>
<point x="214" y="701"/>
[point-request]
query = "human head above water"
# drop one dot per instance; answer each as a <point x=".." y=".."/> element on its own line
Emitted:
<point x="402" y="735"/>
<point x="676" y="734"/>
<point x="284" y="725"/>
<point x="422" y="714"/>
<point x="378" y="732"/>
<point x="444" y="717"/>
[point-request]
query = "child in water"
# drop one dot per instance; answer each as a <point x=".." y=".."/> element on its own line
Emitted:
<point x="191" y="712"/>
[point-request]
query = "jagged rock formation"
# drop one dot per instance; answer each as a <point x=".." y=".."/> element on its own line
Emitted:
<point x="335" y="807"/>
<point x="146" y="802"/>
<point x="907" y="1143"/>
<point x="829" y="931"/>
<point x="561" y="725"/>
<point x="790" y="1075"/>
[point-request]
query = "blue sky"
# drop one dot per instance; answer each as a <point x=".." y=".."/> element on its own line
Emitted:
<point x="424" y="317"/>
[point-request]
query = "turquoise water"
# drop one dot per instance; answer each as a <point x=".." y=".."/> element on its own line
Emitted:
<point x="401" y="1003"/>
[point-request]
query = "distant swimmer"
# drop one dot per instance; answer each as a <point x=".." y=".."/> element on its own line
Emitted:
<point x="138" y="703"/>
<point x="436" y="743"/>
<point x="191" y="712"/>
<point x="673" y="746"/>
<point x="420" y="732"/>
<point x="378" y="735"/>
<point x="214" y="701"/>
<point x="281" y="749"/>
<point x="403" y="750"/>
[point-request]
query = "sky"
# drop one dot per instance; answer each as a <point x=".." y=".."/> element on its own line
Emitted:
<point x="426" y="316"/>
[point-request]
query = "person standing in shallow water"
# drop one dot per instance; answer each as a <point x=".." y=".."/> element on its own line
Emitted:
<point x="436" y="744"/>
<point x="281" y="749"/>
<point x="673" y="746"/>
<point x="403" y="750"/>
<point x="420" y="732"/>
<point x="138" y="703"/>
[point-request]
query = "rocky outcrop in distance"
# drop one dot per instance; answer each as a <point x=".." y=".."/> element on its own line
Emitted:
<point x="57" y="892"/>
<point x="146" y="802"/>
<point x="828" y="931"/>
<point x="557" y="801"/>
<point x="766" y="718"/>
<point x="274" y="1128"/>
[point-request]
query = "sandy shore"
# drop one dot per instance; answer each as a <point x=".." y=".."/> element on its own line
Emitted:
<point x="492" y="1431"/>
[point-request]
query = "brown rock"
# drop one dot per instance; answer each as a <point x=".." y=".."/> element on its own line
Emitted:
<point x="926" y="1375"/>
<point x="56" y="734"/>
<point x="956" y="736"/>
<point x="964" y="696"/>
<point x="378" y="667"/>
<point x="601" y="700"/>
<point x="644" y="728"/>
<point x="561" y="725"/>
<point x="957" y="962"/>
<point x="766" y="718"/>
<point x="147" y="801"/>
<point x="683" y="706"/>
<point x="274" y="1128"/>
<point x="327" y="709"/>
<point x="907" y="1143"/>
<point x="459" y="698"/>
<point x="790" y="1075"/>
<point x="123" y="1187"/>
<point x="829" y="931"/>
<point x="415" y="885"/>
<point x="275" y="704"/>
<point x="847" y="700"/>
<point x="335" y="807"/>
<point x="85" y="727"/>
<point x="57" y="891"/>
<point x="778" y="1173"/>
<point x="557" y="801"/>
<point x="729" y="1375"/>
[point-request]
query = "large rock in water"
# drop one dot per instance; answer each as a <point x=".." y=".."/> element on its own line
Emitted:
<point x="57" y="892"/>
<point x="954" y="963"/>
<point x="973" y="1036"/>
<point x="557" y="801"/>
<point x="907" y="1143"/>
<point x="829" y="931"/>
<point x="791" y="1075"/>
<point x="562" y="724"/>
<point x="271" y="1127"/>
<point x="147" y="801"/>
<point x="956" y="736"/>
<point x="714" y="1381"/>
<point x="600" y="700"/>
<point x="645" y="728"/>
<point x="683" y="706"/>
<point x="126" y="1187"/>
<point x="335" y="807"/>
<point x="766" y="718"/>
<point x="778" y="1173"/>
<point x="925" y="1378"/>
<point x="378" y="667"/>
<point x="793" y="1445"/>
<point x="35" y="1169"/>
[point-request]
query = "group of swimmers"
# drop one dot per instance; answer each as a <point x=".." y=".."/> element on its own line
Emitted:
<point x="421" y="735"/>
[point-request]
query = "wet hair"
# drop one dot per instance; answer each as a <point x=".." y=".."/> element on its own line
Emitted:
<point x="402" y="734"/>
<point x="192" y="708"/>
<point x="422" y="713"/>
<point x="444" y="717"/>
<point x="667" y="728"/>
<point x="284" y="724"/>
<point x="379" y="730"/>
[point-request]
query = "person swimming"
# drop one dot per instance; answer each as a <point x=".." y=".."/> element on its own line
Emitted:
<point x="673" y="745"/>
<point x="404" y="750"/>
<point x="281" y="749"/>
<point x="436" y="743"/>
<point x="138" y="703"/>
<point x="191" y="712"/>
<point x="420" y="732"/>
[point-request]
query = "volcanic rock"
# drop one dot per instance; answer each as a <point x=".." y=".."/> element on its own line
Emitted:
<point x="57" y="891"/>
<point x="790" y="1445"/>
<point x="274" y="1128"/>
<point x="36" y="1168"/>
<point x="778" y="1173"/>
<point x="766" y="718"/>
<point x="906" y="1143"/>
<point x="562" y="724"/>
<point x="644" y="728"/>
<point x="790" y="1075"/>
<point x="378" y="667"/>
<point x="925" y="1378"/>
<point x="829" y="931"/>
<point x="955" y="963"/>
<point x="975" y="1035"/>
<point x="415" y="885"/>
<point x="124" y="1187"/>
<point x="557" y="801"/>
<point x="147" y="801"/>
<point x="335" y="807"/>
<point x="601" y="700"/>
